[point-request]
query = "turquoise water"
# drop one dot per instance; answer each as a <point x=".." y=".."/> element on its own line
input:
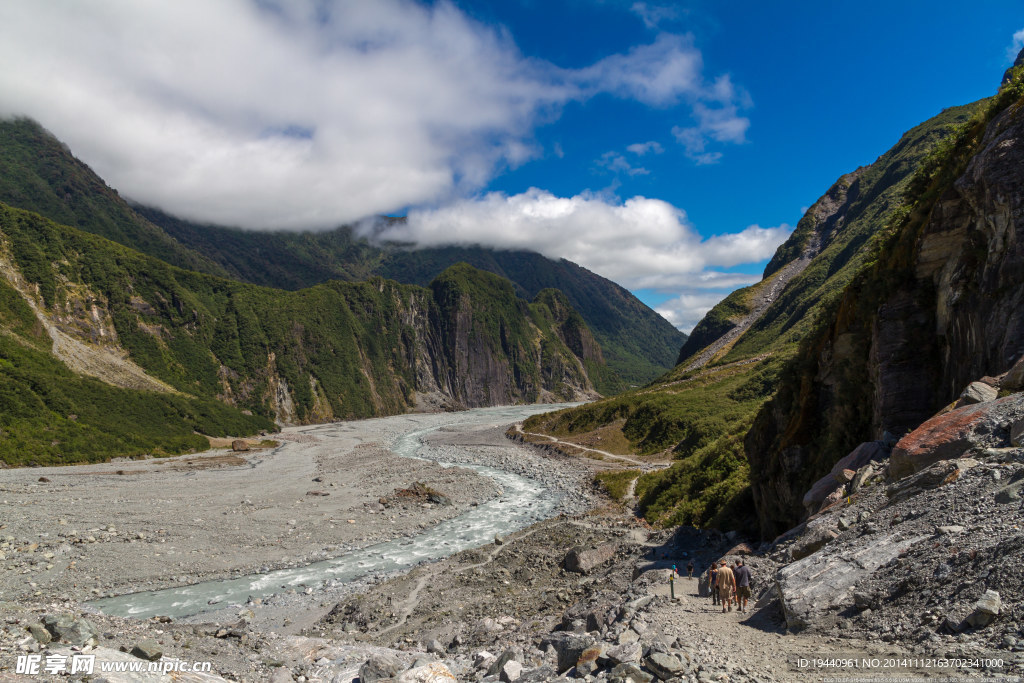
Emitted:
<point x="522" y="502"/>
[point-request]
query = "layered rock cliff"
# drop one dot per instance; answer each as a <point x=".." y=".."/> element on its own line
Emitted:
<point x="940" y="303"/>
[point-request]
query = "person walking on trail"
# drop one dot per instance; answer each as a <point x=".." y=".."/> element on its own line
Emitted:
<point x="712" y="582"/>
<point x="689" y="570"/>
<point x="742" y="574"/>
<point x="726" y="585"/>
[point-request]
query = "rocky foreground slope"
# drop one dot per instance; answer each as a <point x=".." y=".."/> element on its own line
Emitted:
<point x="910" y="564"/>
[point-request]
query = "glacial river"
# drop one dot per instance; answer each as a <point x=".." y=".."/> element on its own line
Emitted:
<point x="522" y="502"/>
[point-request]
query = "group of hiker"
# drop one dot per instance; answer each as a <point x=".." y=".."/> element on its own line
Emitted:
<point x="729" y="585"/>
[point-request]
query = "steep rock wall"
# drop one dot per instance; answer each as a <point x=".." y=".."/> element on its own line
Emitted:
<point x="943" y="306"/>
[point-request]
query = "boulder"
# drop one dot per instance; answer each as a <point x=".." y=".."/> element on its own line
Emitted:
<point x="495" y="668"/>
<point x="379" y="667"/>
<point x="71" y="629"/>
<point x="953" y="434"/>
<point x="239" y="445"/>
<point x="844" y="476"/>
<point x="1014" y="379"/>
<point x="985" y="610"/>
<point x="823" y="492"/>
<point x="1017" y="433"/>
<point x="629" y="673"/>
<point x="435" y="672"/>
<point x="584" y="560"/>
<point x="814" y="538"/>
<point x="510" y="672"/>
<point x="624" y="654"/>
<point x="1012" y="493"/>
<point x="568" y="647"/>
<point x="148" y="649"/>
<point x="819" y="492"/>
<point x="40" y="633"/>
<point x="541" y="674"/>
<point x="977" y="392"/>
<point x="825" y="581"/>
<point x="665" y="666"/>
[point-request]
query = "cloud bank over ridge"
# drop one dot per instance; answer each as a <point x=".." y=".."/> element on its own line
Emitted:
<point x="306" y="114"/>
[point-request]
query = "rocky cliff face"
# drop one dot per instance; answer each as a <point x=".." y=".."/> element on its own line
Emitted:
<point x="942" y="306"/>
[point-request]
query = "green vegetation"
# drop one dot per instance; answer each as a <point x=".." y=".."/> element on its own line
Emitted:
<point x="336" y="350"/>
<point x="53" y="416"/>
<point x="39" y="174"/>
<point x="702" y="417"/>
<point x="616" y="482"/>
<point x="883" y="271"/>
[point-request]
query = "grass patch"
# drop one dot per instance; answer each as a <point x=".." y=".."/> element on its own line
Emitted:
<point x="616" y="482"/>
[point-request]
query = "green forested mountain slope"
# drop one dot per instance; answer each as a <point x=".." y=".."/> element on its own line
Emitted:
<point x="638" y="344"/>
<point x="734" y="360"/>
<point x="39" y="173"/>
<point x="191" y="344"/>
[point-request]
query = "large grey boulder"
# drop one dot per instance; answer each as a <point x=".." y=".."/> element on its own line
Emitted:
<point x="665" y="666"/>
<point x="817" y="535"/>
<point x="1014" y="379"/>
<point x="825" y="580"/>
<point x="584" y="560"/>
<point x="71" y="629"/>
<point x="378" y="667"/>
<point x="977" y="392"/>
<point x="986" y="609"/>
<point x="568" y="647"/>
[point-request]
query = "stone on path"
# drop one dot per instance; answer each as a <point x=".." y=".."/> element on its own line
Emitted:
<point x="379" y="666"/>
<point x="148" y="649"/>
<point x="985" y="610"/>
<point x="71" y="629"/>
<point x="584" y="560"/>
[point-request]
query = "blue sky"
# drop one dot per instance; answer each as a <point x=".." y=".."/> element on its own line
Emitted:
<point x="668" y="146"/>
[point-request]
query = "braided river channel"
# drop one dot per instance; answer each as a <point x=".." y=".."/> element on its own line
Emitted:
<point x="522" y="501"/>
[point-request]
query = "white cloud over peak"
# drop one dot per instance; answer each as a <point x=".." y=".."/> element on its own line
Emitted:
<point x="311" y="113"/>
<point x="1015" y="47"/>
<point x="640" y="243"/>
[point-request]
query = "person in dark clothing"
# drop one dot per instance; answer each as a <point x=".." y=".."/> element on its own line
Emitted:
<point x="712" y="583"/>
<point x="742" y="574"/>
<point x="689" y="570"/>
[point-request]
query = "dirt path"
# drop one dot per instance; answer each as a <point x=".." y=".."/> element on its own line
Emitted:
<point x="604" y="454"/>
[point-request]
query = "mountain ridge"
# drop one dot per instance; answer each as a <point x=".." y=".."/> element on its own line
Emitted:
<point x="247" y="355"/>
<point x="39" y="173"/>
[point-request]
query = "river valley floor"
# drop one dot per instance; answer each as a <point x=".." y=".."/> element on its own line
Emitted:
<point x="70" y="536"/>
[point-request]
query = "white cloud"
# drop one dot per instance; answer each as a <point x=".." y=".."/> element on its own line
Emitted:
<point x="1016" y="46"/>
<point x="616" y="163"/>
<point x="640" y="243"/>
<point x="642" y="148"/>
<point x="720" y="122"/>
<point x="311" y="113"/>
<point x="686" y="310"/>
<point x="653" y="15"/>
